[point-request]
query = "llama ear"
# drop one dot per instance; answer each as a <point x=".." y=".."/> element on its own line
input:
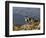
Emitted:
<point x="25" y="19"/>
<point x="29" y="18"/>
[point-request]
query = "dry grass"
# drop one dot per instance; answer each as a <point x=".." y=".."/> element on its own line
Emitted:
<point x="33" y="26"/>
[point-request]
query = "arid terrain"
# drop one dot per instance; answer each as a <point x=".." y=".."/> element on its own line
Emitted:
<point x="33" y="26"/>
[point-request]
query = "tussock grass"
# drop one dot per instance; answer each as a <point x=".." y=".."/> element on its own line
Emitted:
<point x="33" y="26"/>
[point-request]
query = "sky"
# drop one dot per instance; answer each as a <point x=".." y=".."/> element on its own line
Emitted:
<point x="20" y="12"/>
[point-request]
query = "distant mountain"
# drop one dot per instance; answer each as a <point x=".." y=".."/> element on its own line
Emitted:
<point x="18" y="19"/>
<point x="20" y="12"/>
